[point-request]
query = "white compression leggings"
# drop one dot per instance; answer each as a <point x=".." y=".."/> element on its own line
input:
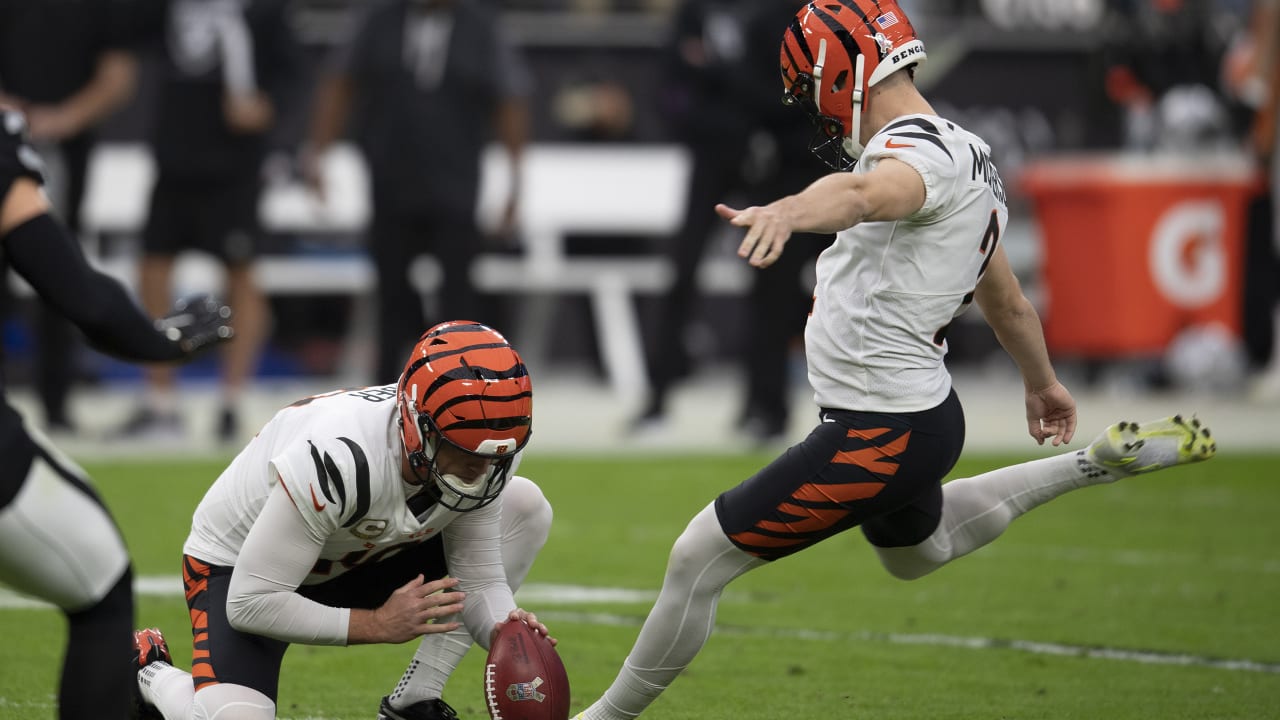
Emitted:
<point x="976" y="511"/>
<point x="702" y="563"/>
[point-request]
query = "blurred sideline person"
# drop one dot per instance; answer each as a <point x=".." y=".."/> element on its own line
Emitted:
<point x="434" y="81"/>
<point x="58" y="541"/>
<point x="1161" y="61"/>
<point x="1268" y="126"/>
<point x="67" y="65"/>
<point x="778" y="304"/>
<point x="917" y="208"/>
<point x="1259" y="86"/>
<point x="723" y="103"/>
<point x="1268" y="138"/>
<point x="227" y="71"/>
<point x="375" y="515"/>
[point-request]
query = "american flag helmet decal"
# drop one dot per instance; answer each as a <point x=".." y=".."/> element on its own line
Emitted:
<point x="887" y="20"/>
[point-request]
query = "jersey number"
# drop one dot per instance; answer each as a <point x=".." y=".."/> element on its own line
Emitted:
<point x="356" y="558"/>
<point x="990" y="239"/>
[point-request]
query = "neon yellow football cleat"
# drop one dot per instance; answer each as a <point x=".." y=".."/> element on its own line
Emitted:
<point x="1131" y="448"/>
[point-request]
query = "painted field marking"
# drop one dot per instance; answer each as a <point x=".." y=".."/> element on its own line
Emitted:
<point x="1136" y="558"/>
<point x="553" y="594"/>
<point x="1144" y="657"/>
<point x="545" y="593"/>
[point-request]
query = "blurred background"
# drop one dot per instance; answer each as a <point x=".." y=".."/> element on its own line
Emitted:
<point x="1134" y="140"/>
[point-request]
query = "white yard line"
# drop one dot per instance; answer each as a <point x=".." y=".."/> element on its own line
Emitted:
<point x="542" y="593"/>
<point x="46" y="709"/>
<point x="1136" y="558"/>
<point x="1144" y="657"/>
<point x="548" y="594"/>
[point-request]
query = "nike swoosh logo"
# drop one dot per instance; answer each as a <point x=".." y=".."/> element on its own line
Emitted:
<point x="894" y="145"/>
<point x="319" y="506"/>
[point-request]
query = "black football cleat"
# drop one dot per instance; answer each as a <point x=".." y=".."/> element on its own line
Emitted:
<point x="425" y="710"/>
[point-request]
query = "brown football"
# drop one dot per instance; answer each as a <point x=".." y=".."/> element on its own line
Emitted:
<point x="524" y="678"/>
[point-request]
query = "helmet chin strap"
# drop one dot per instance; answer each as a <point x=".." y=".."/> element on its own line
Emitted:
<point x="853" y="141"/>
<point x="406" y="400"/>
<point x="439" y="486"/>
<point x="817" y="75"/>
<point x="451" y="488"/>
<point x="458" y="482"/>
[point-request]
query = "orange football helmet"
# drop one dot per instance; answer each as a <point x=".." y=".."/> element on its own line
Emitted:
<point x="833" y="52"/>
<point x="466" y="386"/>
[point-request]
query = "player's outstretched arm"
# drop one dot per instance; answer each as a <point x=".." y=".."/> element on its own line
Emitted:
<point x="1051" y="411"/>
<point x="891" y="191"/>
<point x="50" y="260"/>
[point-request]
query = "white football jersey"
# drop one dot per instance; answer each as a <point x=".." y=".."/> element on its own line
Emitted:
<point x="339" y="457"/>
<point x="887" y="291"/>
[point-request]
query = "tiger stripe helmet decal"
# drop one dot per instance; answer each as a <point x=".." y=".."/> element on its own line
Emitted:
<point x="465" y="384"/>
<point x="832" y="53"/>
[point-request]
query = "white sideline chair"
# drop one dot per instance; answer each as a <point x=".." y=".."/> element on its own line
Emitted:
<point x="566" y="189"/>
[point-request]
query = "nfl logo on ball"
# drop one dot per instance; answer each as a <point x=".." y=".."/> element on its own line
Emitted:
<point x="525" y="691"/>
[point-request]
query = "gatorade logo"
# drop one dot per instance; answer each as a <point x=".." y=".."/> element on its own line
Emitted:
<point x="1188" y="257"/>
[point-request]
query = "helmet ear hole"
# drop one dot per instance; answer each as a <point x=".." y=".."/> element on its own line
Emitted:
<point x="841" y="78"/>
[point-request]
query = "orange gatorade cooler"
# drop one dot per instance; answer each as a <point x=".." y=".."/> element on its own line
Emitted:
<point x="1137" y="248"/>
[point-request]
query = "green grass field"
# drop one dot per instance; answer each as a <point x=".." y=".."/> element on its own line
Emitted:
<point x="1155" y="598"/>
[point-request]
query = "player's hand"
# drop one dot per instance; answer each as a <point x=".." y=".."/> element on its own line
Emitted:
<point x="248" y="113"/>
<point x="1051" y="414"/>
<point x="51" y="123"/>
<point x="413" y="608"/>
<point x="196" y="322"/>
<point x="311" y="167"/>
<point x="767" y="232"/>
<point x="11" y="103"/>
<point x="509" y="222"/>
<point x="526" y="617"/>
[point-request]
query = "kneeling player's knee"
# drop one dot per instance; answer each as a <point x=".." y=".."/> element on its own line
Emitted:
<point x="523" y="500"/>
<point x="224" y="701"/>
